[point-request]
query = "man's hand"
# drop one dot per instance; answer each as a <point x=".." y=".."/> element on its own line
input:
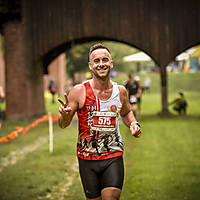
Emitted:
<point x="64" y="109"/>
<point x="135" y="130"/>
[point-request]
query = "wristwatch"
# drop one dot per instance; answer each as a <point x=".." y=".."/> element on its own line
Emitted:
<point x="137" y="123"/>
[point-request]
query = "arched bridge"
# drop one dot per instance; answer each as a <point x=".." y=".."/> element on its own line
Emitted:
<point x="37" y="31"/>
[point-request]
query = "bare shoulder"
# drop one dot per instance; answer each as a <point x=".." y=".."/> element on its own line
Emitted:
<point x="77" y="90"/>
<point x="77" y="94"/>
<point x="122" y="89"/>
<point x="123" y="93"/>
<point x="79" y="87"/>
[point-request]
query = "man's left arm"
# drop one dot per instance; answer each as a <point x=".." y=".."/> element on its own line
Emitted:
<point x="127" y="115"/>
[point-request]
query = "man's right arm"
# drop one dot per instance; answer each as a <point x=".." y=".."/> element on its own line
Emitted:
<point x="68" y="108"/>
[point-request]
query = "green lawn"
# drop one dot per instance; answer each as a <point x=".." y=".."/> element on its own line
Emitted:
<point x="163" y="164"/>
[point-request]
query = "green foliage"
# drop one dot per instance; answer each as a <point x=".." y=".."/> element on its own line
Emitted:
<point x="77" y="59"/>
<point x="77" y="56"/>
<point x="118" y="51"/>
<point x="2" y="44"/>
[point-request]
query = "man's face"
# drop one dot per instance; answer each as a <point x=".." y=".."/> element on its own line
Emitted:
<point x="101" y="63"/>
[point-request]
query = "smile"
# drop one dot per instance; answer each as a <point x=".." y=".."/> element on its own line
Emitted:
<point x="102" y="68"/>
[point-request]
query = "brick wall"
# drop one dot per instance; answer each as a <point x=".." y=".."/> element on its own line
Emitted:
<point x="24" y="80"/>
<point x="2" y="65"/>
<point x="57" y="71"/>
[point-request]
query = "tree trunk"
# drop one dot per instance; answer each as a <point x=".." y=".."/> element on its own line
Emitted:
<point x="164" y="92"/>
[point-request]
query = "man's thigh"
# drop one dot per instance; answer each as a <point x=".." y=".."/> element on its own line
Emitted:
<point x="97" y="175"/>
<point x="113" y="174"/>
<point x="89" y="178"/>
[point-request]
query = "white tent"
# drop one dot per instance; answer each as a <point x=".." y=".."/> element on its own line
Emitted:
<point x="186" y="55"/>
<point x="182" y="56"/>
<point x="137" y="57"/>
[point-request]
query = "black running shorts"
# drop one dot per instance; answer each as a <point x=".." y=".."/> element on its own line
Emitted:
<point x="99" y="174"/>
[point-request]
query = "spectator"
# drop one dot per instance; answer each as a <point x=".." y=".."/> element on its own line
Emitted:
<point x="134" y="93"/>
<point x="147" y="84"/>
<point x="180" y="104"/>
<point x="52" y="89"/>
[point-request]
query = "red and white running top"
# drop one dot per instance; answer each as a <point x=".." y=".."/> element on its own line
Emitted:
<point x="99" y="136"/>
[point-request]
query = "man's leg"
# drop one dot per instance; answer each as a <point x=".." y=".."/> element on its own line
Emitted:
<point x="98" y="198"/>
<point x="112" y="179"/>
<point x="135" y="110"/>
<point x="177" y="110"/>
<point x="53" y="98"/>
<point x="110" y="193"/>
<point x="89" y="176"/>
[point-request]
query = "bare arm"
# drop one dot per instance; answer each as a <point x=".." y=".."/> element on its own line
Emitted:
<point x="139" y="92"/>
<point x="126" y="113"/>
<point x="174" y="101"/>
<point x="71" y="104"/>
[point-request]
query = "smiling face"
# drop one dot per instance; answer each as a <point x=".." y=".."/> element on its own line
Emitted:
<point x="101" y="63"/>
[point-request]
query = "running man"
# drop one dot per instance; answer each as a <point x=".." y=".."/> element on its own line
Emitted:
<point x="134" y="94"/>
<point x="98" y="103"/>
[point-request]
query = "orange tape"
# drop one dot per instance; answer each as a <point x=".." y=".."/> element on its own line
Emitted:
<point x="14" y="134"/>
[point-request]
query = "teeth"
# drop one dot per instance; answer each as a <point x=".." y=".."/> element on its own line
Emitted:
<point x="101" y="68"/>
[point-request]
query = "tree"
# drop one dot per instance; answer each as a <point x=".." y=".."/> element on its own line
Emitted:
<point x="77" y="59"/>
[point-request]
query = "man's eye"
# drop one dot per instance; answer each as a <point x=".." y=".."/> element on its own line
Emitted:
<point x="105" y="60"/>
<point x="96" y="60"/>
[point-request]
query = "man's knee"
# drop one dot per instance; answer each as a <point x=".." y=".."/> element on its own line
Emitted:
<point x="110" y="193"/>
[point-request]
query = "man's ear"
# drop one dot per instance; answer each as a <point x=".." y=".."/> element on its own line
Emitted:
<point x="111" y="65"/>
<point x="89" y="64"/>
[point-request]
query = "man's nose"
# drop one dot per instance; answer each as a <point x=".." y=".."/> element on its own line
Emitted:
<point x="101" y="62"/>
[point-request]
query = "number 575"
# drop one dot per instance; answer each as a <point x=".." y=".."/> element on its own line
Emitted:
<point x="105" y="120"/>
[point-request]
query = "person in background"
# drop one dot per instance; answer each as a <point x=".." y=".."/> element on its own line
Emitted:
<point x="147" y="84"/>
<point x="52" y="89"/>
<point x="99" y="102"/>
<point x="2" y="98"/>
<point x="134" y="93"/>
<point x="180" y="104"/>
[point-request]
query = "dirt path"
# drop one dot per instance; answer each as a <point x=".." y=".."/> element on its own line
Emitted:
<point x="61" y="190"/>
<point x="14" y="156"/>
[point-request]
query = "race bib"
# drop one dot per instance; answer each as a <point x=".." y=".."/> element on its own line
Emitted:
<point x="104" y="121"/>
<point x="133" y="99"/>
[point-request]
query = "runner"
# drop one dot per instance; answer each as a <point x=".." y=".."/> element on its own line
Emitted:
<point x="134" y="93"/>
<point x="99" y="102"/>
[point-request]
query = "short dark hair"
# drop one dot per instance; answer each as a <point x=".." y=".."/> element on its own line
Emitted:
<point x="98" y="46"/>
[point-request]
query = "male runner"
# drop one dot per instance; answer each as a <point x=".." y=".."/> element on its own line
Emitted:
<point x="98" y="103"/>
<point x="134" y="94"/>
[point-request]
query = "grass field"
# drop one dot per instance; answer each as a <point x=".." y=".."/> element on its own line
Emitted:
<point x="163" y="164"/>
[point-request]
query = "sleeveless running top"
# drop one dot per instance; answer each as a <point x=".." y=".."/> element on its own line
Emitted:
<point x="99" y="135"/>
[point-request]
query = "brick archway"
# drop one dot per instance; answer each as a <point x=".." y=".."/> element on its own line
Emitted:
<point x="160" y="28"/>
